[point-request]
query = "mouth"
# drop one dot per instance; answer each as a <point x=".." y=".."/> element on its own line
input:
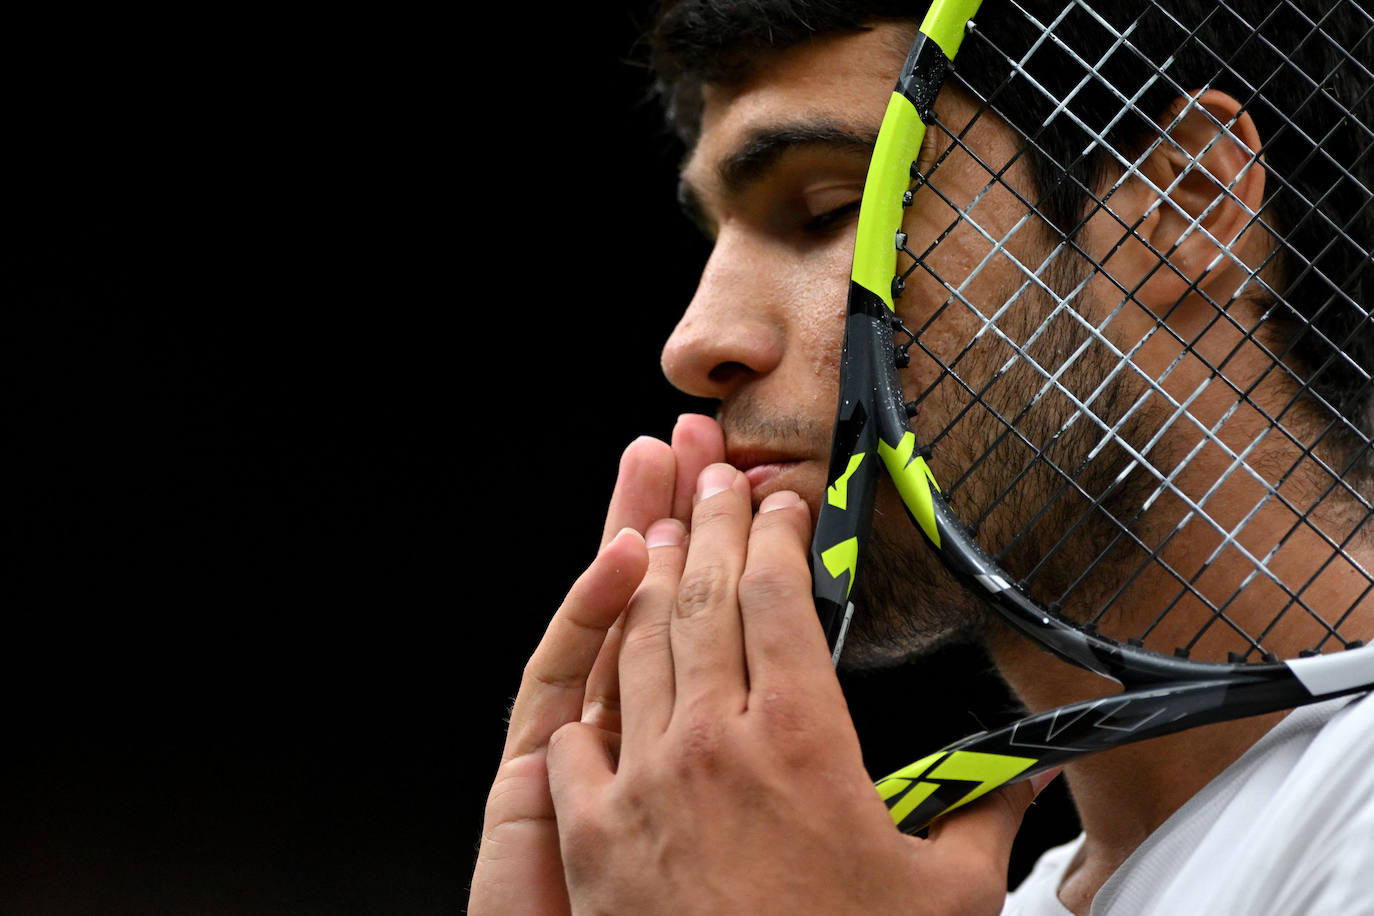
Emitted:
<point x="762" y="467"/>
<point x="761" y="474"/>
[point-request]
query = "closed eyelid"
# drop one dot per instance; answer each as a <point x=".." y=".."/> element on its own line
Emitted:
<point x="757" y="156"/>
<point x="827" y="196"/>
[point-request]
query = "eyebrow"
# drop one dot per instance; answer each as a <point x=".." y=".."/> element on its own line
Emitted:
<point x="760" y="153"/>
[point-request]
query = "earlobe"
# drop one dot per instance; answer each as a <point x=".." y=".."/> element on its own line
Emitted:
<point x="1206" y="185"/>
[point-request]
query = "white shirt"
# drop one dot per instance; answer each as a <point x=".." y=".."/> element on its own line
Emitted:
<point x="1287" y="829"/>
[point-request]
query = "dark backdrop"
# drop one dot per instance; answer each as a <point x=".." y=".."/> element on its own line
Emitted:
<point x="317" y="371"/>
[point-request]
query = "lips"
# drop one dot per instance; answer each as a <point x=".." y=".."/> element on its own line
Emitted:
<point x="761" y="466"/>
<point x="760" y="474"/>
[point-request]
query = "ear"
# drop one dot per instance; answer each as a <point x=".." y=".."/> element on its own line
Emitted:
<point x="1203" y="185"/>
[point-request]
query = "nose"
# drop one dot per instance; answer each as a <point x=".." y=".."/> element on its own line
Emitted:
<point x="733" y="330"/>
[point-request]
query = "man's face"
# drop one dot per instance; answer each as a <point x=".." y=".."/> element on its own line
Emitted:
<point x="776" y="178"/>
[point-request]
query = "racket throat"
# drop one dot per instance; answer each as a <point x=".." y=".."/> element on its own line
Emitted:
<point x="844" y="630"/>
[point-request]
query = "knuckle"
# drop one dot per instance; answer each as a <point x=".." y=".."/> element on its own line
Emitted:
<point x="649" y="635"/>
<point x="783" y="712"/>
<point x="539" y="673"/>
<point x="701" y="589"/>
<point x="768" y="585"/>
<point x="701" y="745"/>
<point x="713" y="511"/>
<point x="789" y="721"/>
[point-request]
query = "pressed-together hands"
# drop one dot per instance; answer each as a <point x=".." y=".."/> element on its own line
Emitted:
<point x="573" y="676"/>
<point x="680" y="742"/>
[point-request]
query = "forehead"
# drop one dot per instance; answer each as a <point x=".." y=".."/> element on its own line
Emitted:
<point x="843" y="78"/>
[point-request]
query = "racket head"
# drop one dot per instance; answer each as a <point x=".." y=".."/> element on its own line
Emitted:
<point x="1154" y="425"/>
<point x="1155" y="428"/>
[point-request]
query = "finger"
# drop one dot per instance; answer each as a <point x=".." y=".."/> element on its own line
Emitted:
<point x="983" y="830"/>
<point x="643" y="494"/>
<point x="707" y="643"/>
<point x="581" y="758"/>
<point x="646" y="656"/>
<point x="783" y="639"/>
<point x="553" y="686"/>
<point x="643" y="487"/>
<point x="601" y="705"/>
<point x="638" y="502"/>
<point x="697" y="443"/>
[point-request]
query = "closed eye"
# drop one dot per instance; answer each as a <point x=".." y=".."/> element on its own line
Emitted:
<point x="832" y="219"/>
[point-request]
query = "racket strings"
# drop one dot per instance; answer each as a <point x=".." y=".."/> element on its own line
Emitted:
<point x="1099" y="138"/>
<point x="1317" y="151"/>
<point x="1242" y="588"/>
<point x="1302" y="389"/>
<point x="1099" y="388"/>
<point x="1070" y="478"/>
<point x="1307" y="455"/>
<point x="997" y="176"/>
<point x="994" y="318"/>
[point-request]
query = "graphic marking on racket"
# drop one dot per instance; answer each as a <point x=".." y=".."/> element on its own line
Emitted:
<point x="1152" y="392"/>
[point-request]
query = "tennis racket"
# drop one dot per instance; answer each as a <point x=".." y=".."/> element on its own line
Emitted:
<point x="1108" y="488"/>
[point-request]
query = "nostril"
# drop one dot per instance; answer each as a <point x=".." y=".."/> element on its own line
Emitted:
<point x="729" y="371"/>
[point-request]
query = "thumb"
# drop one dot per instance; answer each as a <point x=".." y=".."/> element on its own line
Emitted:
<point x="984" y="830"/>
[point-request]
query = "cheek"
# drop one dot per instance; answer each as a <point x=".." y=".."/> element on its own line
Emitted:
<point x="821" y="331"/>
<point x="818" y="297"/>
<point x="984" y="253"/>
<point x="944" y="322"/>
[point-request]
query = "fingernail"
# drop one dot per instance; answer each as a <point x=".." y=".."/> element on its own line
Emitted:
<point x="668" y="532"/>
<point x="779" y="500"/>
<point x="622" y="533"/>
<point x="1038" y="783"/>
<point x="715" y="479"/>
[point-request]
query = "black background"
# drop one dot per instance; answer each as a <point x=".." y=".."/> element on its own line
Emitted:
<point x="321" y="339"/>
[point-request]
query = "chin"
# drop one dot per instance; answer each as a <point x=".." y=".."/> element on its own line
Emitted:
<point x="907" y="607"/>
